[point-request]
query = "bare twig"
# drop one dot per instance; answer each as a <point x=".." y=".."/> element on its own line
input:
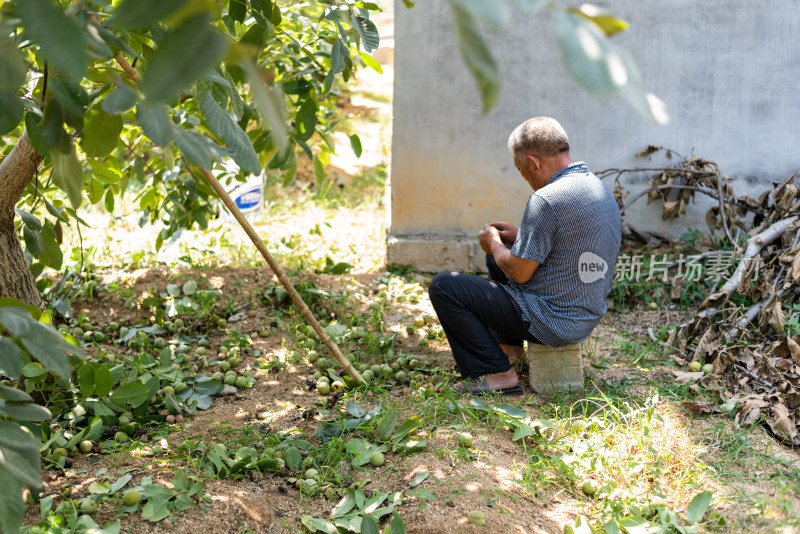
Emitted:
<point x="753" y="376"/>
<point x="754" y="246"/>
<point x="709" y="192"/>
<point x="722" y="217"/>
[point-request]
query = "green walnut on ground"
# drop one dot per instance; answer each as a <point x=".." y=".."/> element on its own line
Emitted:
<point x="476" y="517"/>
<point x="590" y="487"/>
<point x="131" y="498"/>
<point x="464" y="439"/>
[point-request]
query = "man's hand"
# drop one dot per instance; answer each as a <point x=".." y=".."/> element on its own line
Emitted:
<point x="507" y="231"/>
<point x="489" y="235"/>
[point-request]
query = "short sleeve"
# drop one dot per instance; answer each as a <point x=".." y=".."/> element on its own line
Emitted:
<point x="537" y="232"/>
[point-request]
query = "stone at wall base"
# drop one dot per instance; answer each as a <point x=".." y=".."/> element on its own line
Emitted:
<point x="555" y="369"/>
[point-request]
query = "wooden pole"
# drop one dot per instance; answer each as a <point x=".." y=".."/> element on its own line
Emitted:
<point x="295" y="296"/>
<point x="251" y="233"/>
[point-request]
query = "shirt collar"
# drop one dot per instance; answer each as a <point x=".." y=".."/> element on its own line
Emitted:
<point x="578" y="166"/>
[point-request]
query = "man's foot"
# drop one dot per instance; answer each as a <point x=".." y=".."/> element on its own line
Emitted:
<point x="515" y="353"/>
<point x="505" y="383"/>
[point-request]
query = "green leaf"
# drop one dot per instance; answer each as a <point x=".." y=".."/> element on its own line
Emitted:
<point x="94" y="190"/>
<point x="86" y="379"/>
<point x="22" y="461"/>
<point x="647" y="105"/>
<point x="388" y="423"/>
<point x="306" y="120"/>
<point x="12" y="436"/>
<point x="237" y="9"/>
<point x="134" y="14"/>
<point x="68" y="175"/>
<point x="369" y="525"/>
<point x="293" y="458"/>
<point x="33" y="241"/>
<point x="12" y="507"/>
<point x="477" y="56"/>
<point x="698" y="506"/>
<point x="338" y="53"/>
<point x="521" y="430"/>
<point x="26" y="411"/>
<point x="13" y="394"/>
<point x="52" y="129"/>
<point x="262" y="11"/>
<point x="493" y="14"/>
<point x="119" y="100"/>
<point x="397" y="526"/>
<point x="12" y="66"/>
<point x="42" y="341"/>
<point x="71" y="95"/>
<point x="51" y="255"/>
<point x="345" y="504"/>
<point x="155" y="122"/>
<point x="33" y="125"/>
<point x="109" y="201"/>
<point x="104" y="172"/>
<point x="101" y="134"/>
<point x="185" y="54"/>
<point x="198" y="148"/>
<point x="11" y="110"/>
<point x="10" y="358"/>
<point x="371" y="62"/>
<point x="271" y="107"/>
<point x="355" y="409"/>
<point x="30" y="220"/>
<point x="368" y="33"/>
<point x="57" y="35"/>
<point x="231" y="133"/>
<point x="588" y="56"/>
<point x="355" y="143"/>
<point x="318" y="525"/>
<point x="607" y="22"/>
<point x="511" y="411"/>
<point x="419" y="479"/>
<point x="157" y="508"/>
<point x="134" y="395"/>
<point x="103" y="381"/>
<point x="408" y="426"/>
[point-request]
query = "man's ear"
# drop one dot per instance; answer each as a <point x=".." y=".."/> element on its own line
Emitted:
<point x="534" y="160"/>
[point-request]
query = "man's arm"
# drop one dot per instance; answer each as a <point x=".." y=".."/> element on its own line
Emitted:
<point x="517" y="269"/>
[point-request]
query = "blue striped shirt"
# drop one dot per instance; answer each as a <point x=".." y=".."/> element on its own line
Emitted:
<point x="572" y="227"/>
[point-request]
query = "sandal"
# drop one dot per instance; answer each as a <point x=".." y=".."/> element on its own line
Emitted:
<point x="480" y="386"/>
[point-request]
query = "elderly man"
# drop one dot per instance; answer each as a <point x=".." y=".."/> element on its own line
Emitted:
<point x="548" y="281"/>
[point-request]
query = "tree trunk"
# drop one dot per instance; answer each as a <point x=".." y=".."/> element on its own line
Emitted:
<point x="16" y="171"/>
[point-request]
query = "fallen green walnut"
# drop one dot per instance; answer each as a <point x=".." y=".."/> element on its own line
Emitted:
<point x="476" y="517"/>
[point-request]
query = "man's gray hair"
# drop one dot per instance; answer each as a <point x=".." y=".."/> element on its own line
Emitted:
<point x="541" y="136"/>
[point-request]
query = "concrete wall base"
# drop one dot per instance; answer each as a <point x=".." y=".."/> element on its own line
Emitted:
<point x="555" y="369"/>
<point x="434" y="255"/>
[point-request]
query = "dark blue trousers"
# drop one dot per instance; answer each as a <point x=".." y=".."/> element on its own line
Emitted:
<point x="477" y="315"/>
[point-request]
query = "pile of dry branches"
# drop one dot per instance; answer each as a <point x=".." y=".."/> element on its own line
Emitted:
<point x="754" y="352"/>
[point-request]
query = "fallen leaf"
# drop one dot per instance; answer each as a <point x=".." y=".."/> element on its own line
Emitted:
<point x="684" y="377"/>
<point x="781" y="423"/>
<point x="794" y="349"/>
<point x="701" y="407"/>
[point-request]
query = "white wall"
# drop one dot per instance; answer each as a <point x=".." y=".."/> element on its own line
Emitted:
<point x="729" y="72"/>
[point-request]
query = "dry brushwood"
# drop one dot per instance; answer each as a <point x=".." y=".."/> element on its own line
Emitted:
<point x="742" y="329"/>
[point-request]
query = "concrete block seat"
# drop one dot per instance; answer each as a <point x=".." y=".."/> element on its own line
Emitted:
<point x="555" y="369"/>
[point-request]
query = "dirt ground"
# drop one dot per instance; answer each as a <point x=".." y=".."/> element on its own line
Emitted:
<point x="488" y="474"/>
<point x="487" y="477"/>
